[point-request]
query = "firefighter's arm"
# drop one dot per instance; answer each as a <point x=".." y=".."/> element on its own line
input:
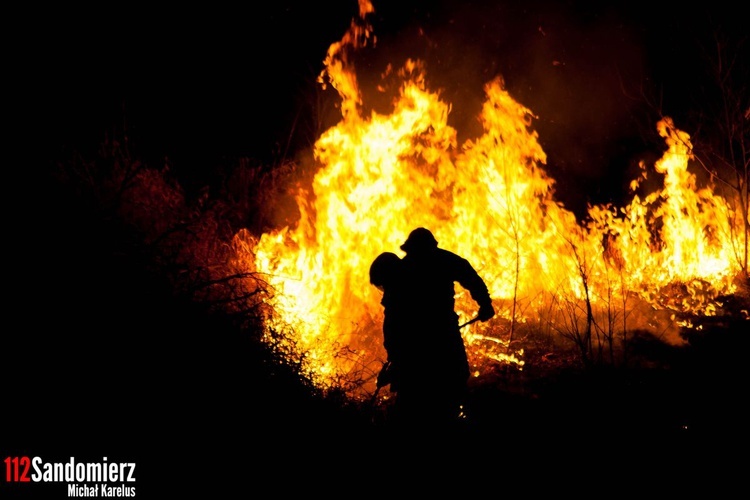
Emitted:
<point x="486" y="311"/>
<point x="471" y="280"/>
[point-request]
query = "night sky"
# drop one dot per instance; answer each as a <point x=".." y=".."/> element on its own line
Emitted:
<point x="202" y="87"/>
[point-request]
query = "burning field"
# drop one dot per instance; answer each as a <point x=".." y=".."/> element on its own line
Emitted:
<point x="662" y="263"/>
<point x="281" y="253"/>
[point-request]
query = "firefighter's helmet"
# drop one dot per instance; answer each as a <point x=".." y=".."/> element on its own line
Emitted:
<point x="418" y="240"/>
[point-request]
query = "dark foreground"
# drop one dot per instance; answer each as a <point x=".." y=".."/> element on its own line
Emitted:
<point x="103" y="361"/>
<point x="133" y="375"/>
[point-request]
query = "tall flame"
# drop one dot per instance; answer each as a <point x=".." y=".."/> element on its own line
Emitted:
<point x="489" y="200"/>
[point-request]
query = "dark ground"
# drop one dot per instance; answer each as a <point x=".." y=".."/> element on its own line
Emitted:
<point x="104" y="360"/>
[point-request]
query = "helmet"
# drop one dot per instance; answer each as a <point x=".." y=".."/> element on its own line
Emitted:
<point x="419" y="239"/>
<point x="384" y="268"/>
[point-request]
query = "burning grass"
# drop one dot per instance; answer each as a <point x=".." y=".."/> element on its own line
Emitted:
<point x="192" y="243"/>
<point x="282" y="252"/>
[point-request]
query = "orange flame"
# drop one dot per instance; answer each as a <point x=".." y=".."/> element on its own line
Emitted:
<point x="380" y="176"/>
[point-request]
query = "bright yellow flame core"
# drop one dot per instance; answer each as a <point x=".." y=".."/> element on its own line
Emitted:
<point x="489" y="201"/>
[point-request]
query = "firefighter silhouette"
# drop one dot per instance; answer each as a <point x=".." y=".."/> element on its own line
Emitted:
<point x="427" y="365"/>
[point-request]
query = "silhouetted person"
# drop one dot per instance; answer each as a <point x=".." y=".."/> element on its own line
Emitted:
<point x="386" y="274"/>
<point x="430" y="369"/>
